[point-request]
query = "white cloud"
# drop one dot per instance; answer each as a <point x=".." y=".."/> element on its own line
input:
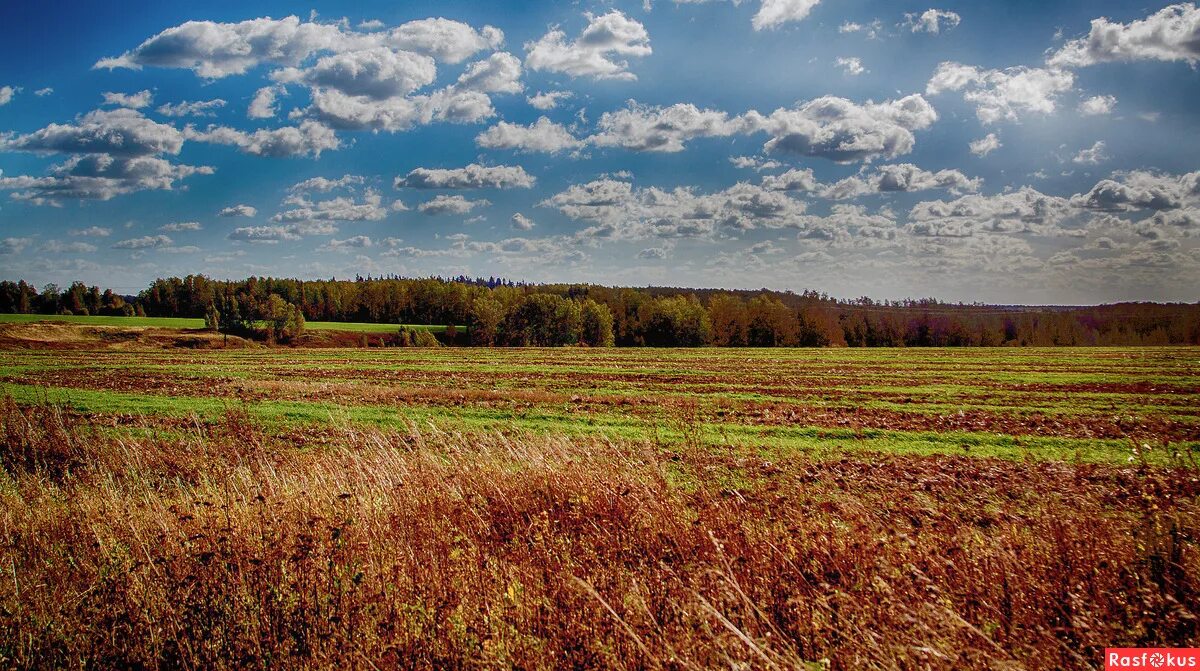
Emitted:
<point x="1141" y="190"/>
<point x="238" y="211"/>
<point x="617" y="210"/>
<point x="354" y="242"/>
<point x="1092" y="155"/>
<point x="851" y="65"/>
<point x="325" y="184"/>
<point x="549" y="100"/>
<point x="447" y="41"/>
<point x="451" y="205"/>
<point x="377" y="73"/>
<point x="1025" y="210"/>
<point x="144" y="242"/>
<point x="310" y="138"/>
<point x="1002" y="94"/>
<point x="99" y="177"/>
<point x="263" y="104"/>
<point x="42" y="93"/>
<point x="1097" y="105"/>
<point x="214" y="50"/>
<point x="191" y="108"/>
<point x="932" y="21"/>
<point x="758" y="164"/>
<point x="473" y="176"/>
<point x="131" y="100"/>
<point x="59" y="247"/>
<point x="370" y="208"/>
<point x="985" y="145"/>
<point x="595" y="52"/>
<point x="267" y="234"/>
<point x="792" y="180"/>
<point x="119" y="132"/>
<point x="181" y="226"/>
<point x="900" y="177"/>
<point x="6" y="95"/>
<point x="498" y="73"/>
<point x="1171" y="34"/>
<point x="92" y="232"/>
<point x="541" y="136"/>
<point x="843" y="131"/>
<point x="774" y="13"/>
<point x="646" y="128"/>
<point x="521" y="222"/>
<point x="10" y="246"/>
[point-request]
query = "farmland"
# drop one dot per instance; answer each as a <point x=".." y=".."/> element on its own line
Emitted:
<point x="194" y="323"/>
<point x="597" y="508"/>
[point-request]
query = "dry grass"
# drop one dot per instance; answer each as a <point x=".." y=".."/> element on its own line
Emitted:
<point x="223" y="547"/>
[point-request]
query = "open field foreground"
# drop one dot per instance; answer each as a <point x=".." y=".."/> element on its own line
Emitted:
<point x="576" y="508"/>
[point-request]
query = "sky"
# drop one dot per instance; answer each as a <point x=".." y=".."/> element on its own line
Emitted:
<point x="1015" y="152"/>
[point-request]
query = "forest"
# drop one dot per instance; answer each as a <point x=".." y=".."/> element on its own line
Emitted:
<point x="497" y="312"/>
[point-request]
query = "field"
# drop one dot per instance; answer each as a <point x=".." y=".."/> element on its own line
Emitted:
<point x="597" y="508"/>
<point x="186" y="323"/>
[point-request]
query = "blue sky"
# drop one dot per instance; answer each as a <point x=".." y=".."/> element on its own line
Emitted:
<point x="1003" y="152"/>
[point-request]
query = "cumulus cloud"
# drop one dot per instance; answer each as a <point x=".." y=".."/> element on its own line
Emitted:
<point x="1171" y="34"/>
<point x="985" y="145"/>
<point x="543" y="136"/>
<point x="92" y="232"/>
<point x="447" y="41"/>
<point x="451" y="205"/>
<point x="131" y="100"/>
<point x="794" y="179"/>
<point x="262" y="106"/>
<point x="310" y="138"/>
<point x="473" y="176"/>
<point x="851" y="66"/>
<point x="119" y="132"/>
<point x="42" y="93"/>
<point x="1002" y="94"/>
<point x="617" y="210"/>
<point x="666" y="129"/>
<point x="598" y="52"/>
<point x="99" y="177"/>
<point x="1141" y="190"/>
<point x="901" y="177"/>
<point x="843" y="131"/>
<point x="353" y="242"/>
<point x="377" y="73"/>
<point x="238" y="211"/>
<point x="774" y="13"/>
<point x="1097" y="105"/>
<point x="370" y="208"/>
<point x="325" y="184"/>
<point x="452" y="104"/>
<point x="214" y="50"/>
<point x="498" y="73"/>
<point x="547" y="101"/>
<point x="521" y="222"/>
<point x="60" y="247"/>
<point x="10" y="246"/>
<point x="266" y="234"/>
<point x="1092" y="155"/>
<point x="191" y="108"/>
<point x="181" y="226"/>
<point x="7" y="93"/>
<point x="1025" y="210"/>
<point x="144" y="242"/>
<point x="932" y="21"/>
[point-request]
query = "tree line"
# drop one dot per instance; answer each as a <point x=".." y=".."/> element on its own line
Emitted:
<point x="495" y="312"/>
